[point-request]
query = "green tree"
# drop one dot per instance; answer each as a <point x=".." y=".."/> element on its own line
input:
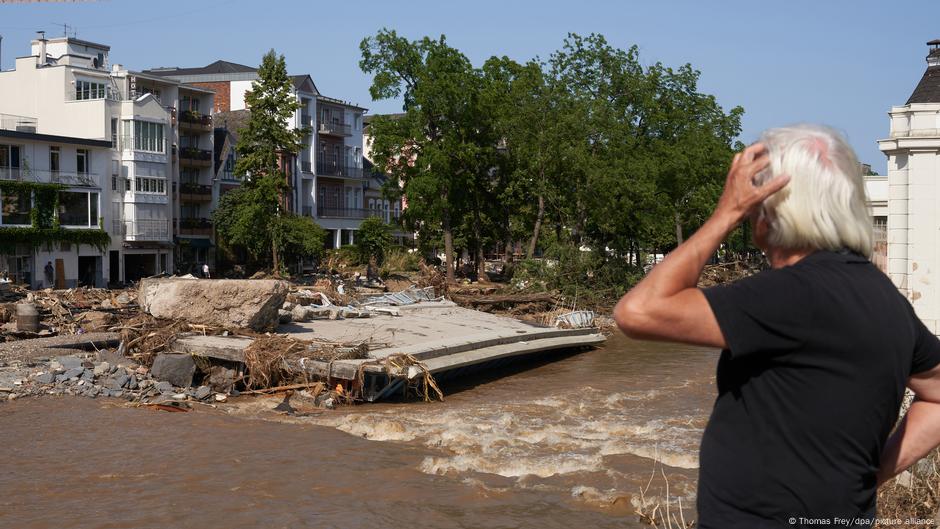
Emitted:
<point x="373" y="240"/>
<point x="442" y="147"/>
<point x="257" y="216"/>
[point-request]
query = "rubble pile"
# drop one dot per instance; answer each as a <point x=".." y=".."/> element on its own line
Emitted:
<point x="64" y="312"/>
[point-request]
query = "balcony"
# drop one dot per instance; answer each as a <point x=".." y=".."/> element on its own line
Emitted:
<point x="190" y="192"/>
<point x="192" y="120"/>
<point x="193" y="157"/>
<point x="195" y="227"/>
<point x="49" y="177"/>
<point x="18" y="123"/>
<point x="334" y="128"/>
<point x="142" y="230"/>
<point x="331" y="166"/>
<point x="343" y="213"/>
<point x="355" y="213"/>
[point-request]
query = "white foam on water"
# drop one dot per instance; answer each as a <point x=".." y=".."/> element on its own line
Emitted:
<point x="515" y="467"/>
<point x="548" y="436"/>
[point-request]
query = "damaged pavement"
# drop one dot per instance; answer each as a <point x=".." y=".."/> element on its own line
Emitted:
<point x="179" y="342"/>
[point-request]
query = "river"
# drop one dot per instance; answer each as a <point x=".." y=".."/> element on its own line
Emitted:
<point x="566" y="443"/>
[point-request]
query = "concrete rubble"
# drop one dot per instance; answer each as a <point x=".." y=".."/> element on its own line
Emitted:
<point x="182" y="339"/>
<point x="226" y="303"/>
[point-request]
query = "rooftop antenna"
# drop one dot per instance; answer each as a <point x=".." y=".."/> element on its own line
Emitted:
<point x="65" y="29"/>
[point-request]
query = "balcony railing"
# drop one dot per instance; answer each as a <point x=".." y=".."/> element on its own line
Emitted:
<point x="193" y="118"/>
<point x="195" y="227"/>
<point x="334" y="128"/>
<point x="191" y="191"/>
<point x="329" y="166"/>
<point x="143" y="229"/>
<point x="192" y="153"/>
<point x="49" y="177"/>
<point x="344" y="213"/>
<point x="18" y="123"/>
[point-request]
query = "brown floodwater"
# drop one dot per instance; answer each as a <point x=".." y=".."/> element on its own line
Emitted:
<point x="567" y="443"/>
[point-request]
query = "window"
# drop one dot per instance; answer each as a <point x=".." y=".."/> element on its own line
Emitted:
<point x="9" y="161"/>
<point x="78" y="208"/>
<point x="189" y="175"/>
<point x="155" y="186"/>
<point x="149" y="136"/>
<point x="82" y="161"/>
<point x="189" y="103"/>
<point x="54" y="159"/>
<point x="89" y="90"/>
<point x="15" y="208"/>
<point x="114" y="131"/>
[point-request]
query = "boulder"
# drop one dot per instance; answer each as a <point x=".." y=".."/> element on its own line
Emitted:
<point x="177" y="369"/>
<point x="230" y="303"/>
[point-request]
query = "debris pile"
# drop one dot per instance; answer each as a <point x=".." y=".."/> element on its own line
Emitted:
<point x="71" y="311"/>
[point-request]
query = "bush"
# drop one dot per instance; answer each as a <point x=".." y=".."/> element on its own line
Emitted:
<point x="587" y="277"/>
<point x="400" y="260"/>
<point x="373" y="240"/>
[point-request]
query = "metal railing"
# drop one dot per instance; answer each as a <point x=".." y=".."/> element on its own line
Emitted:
<point x="126" y="143"/>
<point x="334" y="127"/>
<point x="192" y="153"/>
<point x="189" y="188"/>
<point x="332" y="166"/>
<point x="195" y="118"/>
<point x="142" y="230"/>
<point x="69" y="178"/>
<point x="194" y="226"/>
<point x="18" y="123"/>
<point x="356" y="213"/>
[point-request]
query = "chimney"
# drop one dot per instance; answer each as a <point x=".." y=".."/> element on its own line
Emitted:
<point x="42" y="48"/>
<point x="933" y="56"/>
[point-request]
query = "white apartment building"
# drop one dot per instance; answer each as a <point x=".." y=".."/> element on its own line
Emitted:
<point x="913" y="194"/>
<point x="328" y="182"/>
<point x="72" y="95"/>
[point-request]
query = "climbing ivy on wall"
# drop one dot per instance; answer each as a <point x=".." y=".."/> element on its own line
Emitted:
<point x="45" y="225"/>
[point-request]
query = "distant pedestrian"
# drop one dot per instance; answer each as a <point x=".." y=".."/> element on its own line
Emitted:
<point x="205" y="270"/>
<point x="49" y="274"/>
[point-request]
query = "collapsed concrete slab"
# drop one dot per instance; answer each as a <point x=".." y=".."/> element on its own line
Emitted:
<point x="230" y="303"/>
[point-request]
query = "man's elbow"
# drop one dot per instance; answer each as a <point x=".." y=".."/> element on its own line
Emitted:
<point x="631" y="319"/>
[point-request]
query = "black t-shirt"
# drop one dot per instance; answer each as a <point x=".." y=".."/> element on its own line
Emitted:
<point x="809" y="388"/>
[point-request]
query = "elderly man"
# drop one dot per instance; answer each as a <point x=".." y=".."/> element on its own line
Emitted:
<point x="816" y="351"/>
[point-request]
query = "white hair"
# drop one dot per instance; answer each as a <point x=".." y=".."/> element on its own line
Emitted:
<point x="823" y="207"/>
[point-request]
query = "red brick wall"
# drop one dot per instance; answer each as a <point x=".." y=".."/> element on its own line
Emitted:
<point x="223" y="95"/>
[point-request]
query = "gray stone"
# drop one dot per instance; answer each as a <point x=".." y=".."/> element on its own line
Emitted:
<point x="165" y="387"/>
<point x="131" y="383"/>
<point x="238" y="303"/>
<point x="68" y="362"/>
<point x="202" y="392"/>
<point x="88" y="375"/>
<point x="91" y="391"/>
<point x="114" y="393"/>
<point x="301" y="313"/>
<point x="177" y="369"/>
<point x="221" y="378"/>
<point x="284" y="316"/>
<point x="117" y="382"/>
<point x="61" y="378"/>
<point x="74" y="372"/>
<point x="46" y="378"/>
<point x="102" y="368"/>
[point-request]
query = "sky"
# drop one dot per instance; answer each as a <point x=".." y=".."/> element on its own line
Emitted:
<point x="838" y="62"/>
